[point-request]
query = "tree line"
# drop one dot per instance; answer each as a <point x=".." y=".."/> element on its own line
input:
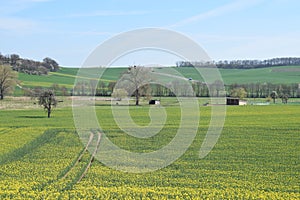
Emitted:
<point x="217" y="89"/>
<point x="29" y="66"/>
<point x="174" y="88"/>
<point x="242" y="64"/>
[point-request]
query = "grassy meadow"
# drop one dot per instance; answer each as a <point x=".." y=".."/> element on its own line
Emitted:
<point x="256" y="157"/>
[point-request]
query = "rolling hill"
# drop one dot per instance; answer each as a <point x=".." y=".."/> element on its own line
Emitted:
<point x="66" y="76"/>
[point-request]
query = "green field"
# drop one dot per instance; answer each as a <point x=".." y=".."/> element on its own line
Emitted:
<point x="288" y="74"/>
<point x="256" y="157"/>
<point x="66" y="76"/>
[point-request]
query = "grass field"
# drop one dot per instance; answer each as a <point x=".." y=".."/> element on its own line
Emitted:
<point x="256" y="157"/>
<point x="287" y="75"/>
<point x="66" y="76"/>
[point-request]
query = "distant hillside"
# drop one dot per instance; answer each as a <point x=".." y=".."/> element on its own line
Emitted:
<point x="275" y="75"/>
<point x="66" y="76"/>
<point x="29" y="66"/>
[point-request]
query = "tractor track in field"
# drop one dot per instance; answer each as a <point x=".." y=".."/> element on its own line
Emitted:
<point x="82" y="171"/>
<point x="92" y="158"/>
<point x="80" y="156"/>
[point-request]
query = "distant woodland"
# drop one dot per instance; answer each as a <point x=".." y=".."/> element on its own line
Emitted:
<point x="29" y="66"/>
<point x="242" y="64"/>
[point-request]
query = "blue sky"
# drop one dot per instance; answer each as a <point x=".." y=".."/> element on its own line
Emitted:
<point x="68" y="31"/>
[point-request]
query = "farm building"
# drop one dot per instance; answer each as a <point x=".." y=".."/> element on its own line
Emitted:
<point x="235" y="101"/>
<point x="154" y="102"/>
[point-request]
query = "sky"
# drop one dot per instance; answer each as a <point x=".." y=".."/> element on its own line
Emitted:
<point x="68" y="31"/>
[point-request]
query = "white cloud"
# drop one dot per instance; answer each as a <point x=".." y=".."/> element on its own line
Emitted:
<point x="254" y="47"/>
<point x="223" y="38"/>
<point x="9" y="23"/>
<point x="8" y="11"/>
<point x="109" y="13"/>
<point x="219" y="11"/>
<point x="91" y="33"/>
<point x="31" y="1"/>
<point x="14" y="6"/>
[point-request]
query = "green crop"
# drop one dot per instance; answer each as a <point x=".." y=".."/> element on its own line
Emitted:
<point x="256" y="157"/>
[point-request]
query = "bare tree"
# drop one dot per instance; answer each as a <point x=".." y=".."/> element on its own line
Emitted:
<point x="93" y="86"/>
<point x="8" y="80"/>
<point x="219" y="87"/>
<point x="64" y="91"/>
<point x="133" y="80"/>
<point x="55" y="88"/>
<point x="48" y="101"/>
<point x="284" y="98"/>
<point x="274" y="96"/>
<point x="146" y="91"/>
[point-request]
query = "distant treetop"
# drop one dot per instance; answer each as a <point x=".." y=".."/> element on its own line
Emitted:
<point x="29" y="66"/>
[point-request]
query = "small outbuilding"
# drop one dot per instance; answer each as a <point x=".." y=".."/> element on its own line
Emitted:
<point x="154" y="102"/>
<point x="235" y="101"/>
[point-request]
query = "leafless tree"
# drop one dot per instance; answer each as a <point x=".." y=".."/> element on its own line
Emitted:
<point x="134" y="79"/>
<point x="8" y="80"/>
<point x="48" y="101"/>
<point x="274" y="96"/>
